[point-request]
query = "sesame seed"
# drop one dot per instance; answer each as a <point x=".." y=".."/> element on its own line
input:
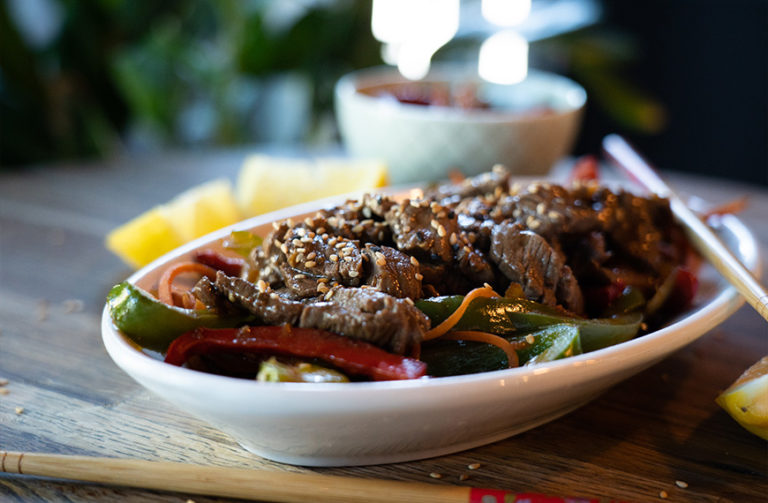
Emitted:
<point x="321" y="230"/>
<point x="530" y="338"/>
<point x="301" y="231"/>
<point x="357" y="229"/>
<point x="261" y="285"/>
<point x="663" y="495"/>
<point x="334" y="258"/>
<point x="322" y="287"/>
<point x="348" y="259"/>
<point x="284" y="248"/>
<point x="300" y="276"/>
<point x="418" y="277"/>
<point x="436" y="475"/>
<point x="553" y="215"/>
<point x="353" y="274"/>
<point x="308" y="221"/>
<point x="516" y="213"/>
<point x="453" y="239"/>
<point x="434" y="224"/>
<point x="19" y="410"/>
<point x="409" y="301"/>
<point x="681" y="484"/>
<point x="473" y="466"/>
<point x="441" y="231"/>
<point x="333" y="241"/>
<point x="340" y="244"/>
<point x="310" y="263"/>
<point x="535" y="224"/>
<point x="414" y="261"/>
<point x="541" y="208"/>
<point x="296" y="242"/>
<point x="463" y="477"/>
<point x="311" y="255"/>
<point x="381" y="261"/>
<point x="275" y="225"/>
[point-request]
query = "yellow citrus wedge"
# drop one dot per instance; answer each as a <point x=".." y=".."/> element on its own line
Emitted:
<point x="202" y="209"/>
<point x="746" y="400"/>
<point x="267" y="183"/>
<point x="191" y="214"/>
<point x="144" y="238"/>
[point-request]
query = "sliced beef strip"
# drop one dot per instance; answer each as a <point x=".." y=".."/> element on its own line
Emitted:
<point x="422" y="229"/>
<point x="528" y="259"/>
<point x="392" y="271"/>
<point x="495" y="181"/>
<point x="359" y="313"/>
<point x="259" y="299"/>
<point x="308" y="260"/>
<point x="360" y="220"/>
<point x="369" y="315"/>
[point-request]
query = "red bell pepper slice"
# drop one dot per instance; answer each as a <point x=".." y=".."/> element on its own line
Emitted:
<point x="350" y="355"/>
<point x="231" y="266"/>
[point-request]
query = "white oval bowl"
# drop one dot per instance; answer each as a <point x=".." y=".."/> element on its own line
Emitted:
<point x="424" y="143"/>
<point x="367" y="423"/>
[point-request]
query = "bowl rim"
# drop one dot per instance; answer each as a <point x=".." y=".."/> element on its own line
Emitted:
<point x="642" y="349"/>
<point x="346" y="90"/>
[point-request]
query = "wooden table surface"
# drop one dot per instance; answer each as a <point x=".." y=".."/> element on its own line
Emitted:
<point x="65" y="396"/>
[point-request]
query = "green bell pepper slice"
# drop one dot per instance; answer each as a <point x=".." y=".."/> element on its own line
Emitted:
<point x="153" y="324"/>
<point x="450" y="357"/>
<point x="505" y="316"/>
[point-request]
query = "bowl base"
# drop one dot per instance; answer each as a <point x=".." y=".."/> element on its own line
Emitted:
<point x="405" y="455"/>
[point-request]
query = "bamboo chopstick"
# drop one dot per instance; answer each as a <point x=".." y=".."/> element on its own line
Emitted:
<point x="705" y="241"/>
<point x="252" y="484"/>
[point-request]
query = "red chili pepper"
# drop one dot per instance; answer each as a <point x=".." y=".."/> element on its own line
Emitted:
<point x="231" y="266"/>
<point x="585" y="169"/>
<point x="686" y="285"/>
<point x="350" y="355"/>
<point x="598" y="298"/>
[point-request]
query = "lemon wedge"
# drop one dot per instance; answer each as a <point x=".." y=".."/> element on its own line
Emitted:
<point x="267" y="183"/>
<point x="191" y="214"/>
<point x="144" y="238"/>
<point x="746" y="400"/>
<point x="202" y="209"/>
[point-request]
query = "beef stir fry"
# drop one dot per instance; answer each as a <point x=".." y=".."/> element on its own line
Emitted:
<point x="472" y="276"/>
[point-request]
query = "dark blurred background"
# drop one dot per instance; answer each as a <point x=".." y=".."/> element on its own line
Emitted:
<point x="685" y="80"/>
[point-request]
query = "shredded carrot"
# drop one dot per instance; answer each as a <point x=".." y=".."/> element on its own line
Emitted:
<point x="165" y="285"/>
<point x="454" y="318"/>
<point x="728" y="208"/>
<point x="499" y="342"/>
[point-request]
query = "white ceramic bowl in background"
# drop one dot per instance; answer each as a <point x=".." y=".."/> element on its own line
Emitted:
<point x="424" y="143"/>
<point x="382" y="422"/>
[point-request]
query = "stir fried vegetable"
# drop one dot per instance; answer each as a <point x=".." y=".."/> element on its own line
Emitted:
<point x="154" y="324"/>
<point x="354" y="357"/>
